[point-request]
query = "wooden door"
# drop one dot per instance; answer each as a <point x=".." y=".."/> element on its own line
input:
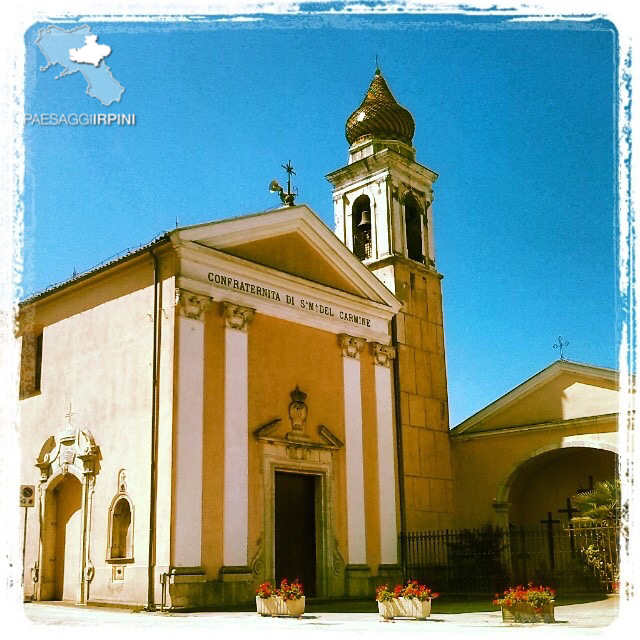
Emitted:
<point x="67" y="540"/>
<point x="295" y="529"/>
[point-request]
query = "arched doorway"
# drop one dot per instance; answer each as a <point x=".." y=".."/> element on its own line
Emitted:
<point x="545" y="545"/>
<point x="68" y="463"/>
<point x="543" y="484"/>
<point x="65" y="522"/>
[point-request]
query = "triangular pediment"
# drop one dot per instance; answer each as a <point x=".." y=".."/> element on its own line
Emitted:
<point x="563" y="391"/>
<point x="293" y="253"/>
<point x="292" y="240"/>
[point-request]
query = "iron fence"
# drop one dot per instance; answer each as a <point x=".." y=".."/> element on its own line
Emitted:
<point x="571" y="558"/>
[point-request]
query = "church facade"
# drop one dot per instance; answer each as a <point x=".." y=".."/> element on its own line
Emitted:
<point x="244" y="400"/>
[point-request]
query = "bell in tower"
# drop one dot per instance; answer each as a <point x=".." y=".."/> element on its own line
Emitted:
<point x="361" y="221"/>
<point x="383" y="213"/>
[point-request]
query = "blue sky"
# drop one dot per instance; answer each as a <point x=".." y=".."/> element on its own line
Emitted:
<point x="518" y="119"/>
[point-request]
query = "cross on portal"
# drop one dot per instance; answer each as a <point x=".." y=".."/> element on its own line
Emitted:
<point x="69" y="414"/>
<point x="581" y="490"/>
<point x="550" y="522"/>
<point x="560" y="346"/>
<point x="570" y="511"/>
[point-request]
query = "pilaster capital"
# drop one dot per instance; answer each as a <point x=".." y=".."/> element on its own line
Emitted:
<point x="351" y="346"/>
<point x="192" y="305"/>
<point x="237" y="317"/>
<point x="383" y="354"/>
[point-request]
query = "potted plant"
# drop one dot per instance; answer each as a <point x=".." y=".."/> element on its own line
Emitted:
<point x="266" y="600"/>
<point x="287" y="600"/>
<point x="293" y="597"/>
<point x="417" y="600"/>
<point x="387" y="603"/>
<point x="533" y="604"/>
<point x="410" y="601"/>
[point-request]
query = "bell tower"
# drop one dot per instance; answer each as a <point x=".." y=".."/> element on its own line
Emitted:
<point x="383" y="212"/>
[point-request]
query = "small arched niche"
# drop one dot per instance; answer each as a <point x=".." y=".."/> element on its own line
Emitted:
<point x="120" y="542"/>
<point x="413" y="226"/>
<point x="361" y="227"/>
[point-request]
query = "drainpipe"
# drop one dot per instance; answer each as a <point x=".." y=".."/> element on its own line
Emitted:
<point x="151" y="605"/>
<point x="399" y="450"/>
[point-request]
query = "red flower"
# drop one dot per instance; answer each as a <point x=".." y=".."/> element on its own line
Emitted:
<point x="265" y="590"/>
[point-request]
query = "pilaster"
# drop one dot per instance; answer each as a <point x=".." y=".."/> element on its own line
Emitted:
<point x="383" y="356"/>
<point x="187" y="546"/>
<point x="356" y="536"/>
<point x="236" y="441"/>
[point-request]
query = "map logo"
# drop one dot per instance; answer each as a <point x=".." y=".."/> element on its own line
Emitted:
<point x="76" y="51"/>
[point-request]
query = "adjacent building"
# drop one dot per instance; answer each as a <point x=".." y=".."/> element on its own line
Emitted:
<point x="518" y="461"/>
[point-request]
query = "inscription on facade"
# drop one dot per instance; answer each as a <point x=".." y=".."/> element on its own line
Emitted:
<point x="311" y="306"/>
<point x="241" y="285"/>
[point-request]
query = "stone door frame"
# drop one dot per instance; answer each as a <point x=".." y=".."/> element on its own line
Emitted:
<point x="75" y="453"/>
<point x="320" y="466"/>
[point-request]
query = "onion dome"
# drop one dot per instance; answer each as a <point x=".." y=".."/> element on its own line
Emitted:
<point x="380" y="115"/>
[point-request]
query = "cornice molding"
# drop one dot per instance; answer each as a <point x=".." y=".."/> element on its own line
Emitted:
<point x="220" y="235"/>
<point x="538" y="426"/>
<point x="196" y="254"/>
<point x="378" y="162"/>
<point x="329" y="440"/>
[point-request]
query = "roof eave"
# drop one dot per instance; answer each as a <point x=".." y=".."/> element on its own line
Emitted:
<point x="529" y="385"/>
<point x="94" y="272"/>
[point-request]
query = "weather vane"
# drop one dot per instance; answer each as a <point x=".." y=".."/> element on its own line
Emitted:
<point x="288" y="197"/>
<point x="560" y="346"/>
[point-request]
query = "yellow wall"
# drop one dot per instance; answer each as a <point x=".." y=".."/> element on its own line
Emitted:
<point x="282" y="355"/>
<point x="213" y="442"/>
<point x="424" y="409"/>
<point x="483" y="463"/>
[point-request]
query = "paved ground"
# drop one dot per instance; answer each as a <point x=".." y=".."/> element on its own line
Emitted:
<point x="590" y="619"/>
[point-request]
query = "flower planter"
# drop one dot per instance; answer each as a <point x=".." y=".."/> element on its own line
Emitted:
<point x="525" y="612"/>
<point x="294" y="608"/>
<point x="276" y="606"/>
<point x="268" y="606"/>
<point x="405" y="608"/>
